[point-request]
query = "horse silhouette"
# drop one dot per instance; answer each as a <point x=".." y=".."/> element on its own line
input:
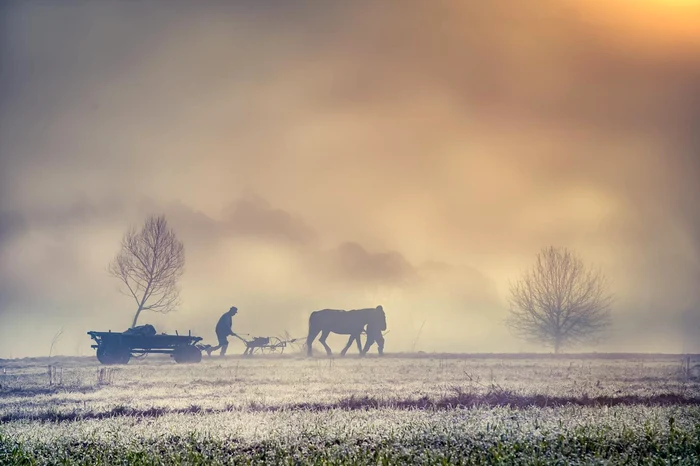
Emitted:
<point x="350" y="323"/>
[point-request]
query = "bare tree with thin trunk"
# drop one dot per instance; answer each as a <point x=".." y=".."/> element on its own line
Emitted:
<point x="57" y="336"/>
<point x="559" y="301"/>
<point x="149" y="265"/>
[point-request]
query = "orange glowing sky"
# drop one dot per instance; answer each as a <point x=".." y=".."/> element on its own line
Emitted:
<point x="667" y="24"/>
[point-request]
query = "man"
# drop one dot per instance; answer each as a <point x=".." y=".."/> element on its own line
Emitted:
<point x="374" y="334"/>
<point x="223" y="330"/>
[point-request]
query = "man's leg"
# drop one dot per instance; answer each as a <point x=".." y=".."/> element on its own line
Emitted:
<point x="223" y="344"/>
<point x="380" y="344"/>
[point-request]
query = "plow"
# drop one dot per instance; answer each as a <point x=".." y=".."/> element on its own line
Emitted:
<point x="259" y="345"/>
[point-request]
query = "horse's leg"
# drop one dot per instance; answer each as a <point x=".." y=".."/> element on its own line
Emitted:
<point x="345" y="350"/>
<point x="359" y="343"/>
<point x="368" y="345"/>
<point x="324" y="335"/>
<point x="313" y="332"/>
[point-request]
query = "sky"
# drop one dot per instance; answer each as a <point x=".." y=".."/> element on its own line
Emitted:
<point x="313" y="155"/>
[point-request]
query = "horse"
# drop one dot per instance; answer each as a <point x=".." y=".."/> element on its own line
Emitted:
<point x="350" y="323"/>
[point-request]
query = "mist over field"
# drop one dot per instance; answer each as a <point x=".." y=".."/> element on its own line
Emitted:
<point x="344" y="155"/>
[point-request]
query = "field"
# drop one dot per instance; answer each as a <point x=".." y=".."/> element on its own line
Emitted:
<point x="415" y="409"/>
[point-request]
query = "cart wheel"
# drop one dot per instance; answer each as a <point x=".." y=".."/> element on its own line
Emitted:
<point x="125" y="356"/>
<point x="113" y="354"/>
<point x="187" y="354"/>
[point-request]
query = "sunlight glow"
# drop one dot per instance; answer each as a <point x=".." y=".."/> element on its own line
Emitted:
<point x="649" y="23"/>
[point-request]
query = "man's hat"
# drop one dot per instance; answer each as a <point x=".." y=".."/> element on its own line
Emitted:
<point x="233" y="308"/>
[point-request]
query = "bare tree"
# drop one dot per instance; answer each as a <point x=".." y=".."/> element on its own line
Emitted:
<point x="559" y="301"/>
<point x="149" y="265"/>
<point x="57" y="336"/>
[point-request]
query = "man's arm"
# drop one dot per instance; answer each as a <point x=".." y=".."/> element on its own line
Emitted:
<point x="230" y="326"/>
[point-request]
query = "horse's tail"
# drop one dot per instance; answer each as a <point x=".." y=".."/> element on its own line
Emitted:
<point x="313" y="330"/>
<point x="312" y="318"/>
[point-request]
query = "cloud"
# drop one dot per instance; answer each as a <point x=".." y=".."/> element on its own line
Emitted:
<point x="254" y="217"/>
<point x="380" y="138"/>
<point x="12" y="224"/>
<point x="257" y="265"/>
<point x="351" y="263"/>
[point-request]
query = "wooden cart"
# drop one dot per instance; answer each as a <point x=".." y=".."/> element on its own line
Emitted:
<point x="120" y="347"/>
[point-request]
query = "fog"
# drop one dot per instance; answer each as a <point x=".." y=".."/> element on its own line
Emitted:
<point x="343" y="155"/>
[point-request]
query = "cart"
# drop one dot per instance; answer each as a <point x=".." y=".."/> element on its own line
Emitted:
<point x="120" y="347"/>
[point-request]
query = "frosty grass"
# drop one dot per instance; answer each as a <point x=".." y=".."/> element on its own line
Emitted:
<point x="285" y="411"/>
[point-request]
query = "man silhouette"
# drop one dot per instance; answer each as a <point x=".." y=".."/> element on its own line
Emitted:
<point x="223" y="330"/>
